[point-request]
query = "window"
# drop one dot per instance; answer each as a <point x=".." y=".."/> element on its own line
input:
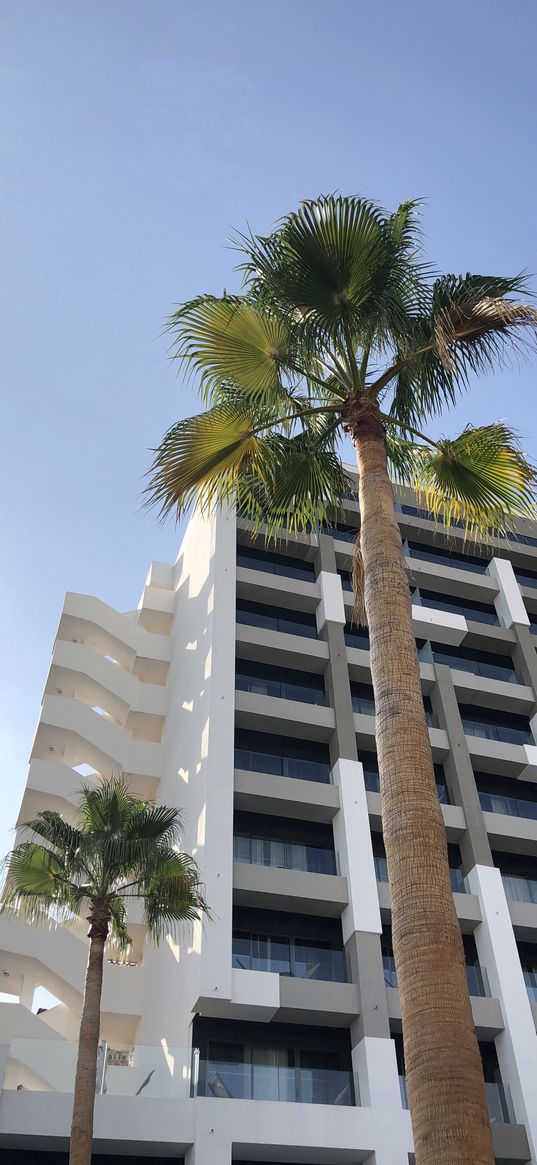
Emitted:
<point x="267" y="753"/>
<point x="479" y="612"/>
<point x="274" y="619"/>
<point x="284" y="683"/>
<point x="495" y="725"/>
<point x="446" y="557"/>
<point x="298" y="958"/>
<point x="501" y="795"/>
<point x="480" y="663"/>
<point x="272" y="563"/>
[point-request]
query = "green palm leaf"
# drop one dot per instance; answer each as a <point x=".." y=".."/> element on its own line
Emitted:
<point x="232" y="340"/>
<point x="480" y="478"/>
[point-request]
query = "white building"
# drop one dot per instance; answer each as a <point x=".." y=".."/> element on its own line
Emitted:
<point x="240" y="692"/>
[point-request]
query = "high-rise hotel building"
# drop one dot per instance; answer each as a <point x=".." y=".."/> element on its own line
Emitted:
<point x="240" y="691"/>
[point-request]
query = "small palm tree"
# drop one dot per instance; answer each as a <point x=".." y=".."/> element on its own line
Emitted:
<point x="342" y="329"/>
<point x="121" y="849"/>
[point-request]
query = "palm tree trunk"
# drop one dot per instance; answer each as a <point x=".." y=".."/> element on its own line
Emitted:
<point x="443" y="1065"/>
<point x="88" y="1042"/>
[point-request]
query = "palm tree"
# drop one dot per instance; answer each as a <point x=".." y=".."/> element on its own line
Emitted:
<point x="341" y="328"/>
<point x="121" y="848"/>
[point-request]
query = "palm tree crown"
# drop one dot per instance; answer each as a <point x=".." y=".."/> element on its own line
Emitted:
<point x="121" y="848"/>
<point x="339" y="315"/>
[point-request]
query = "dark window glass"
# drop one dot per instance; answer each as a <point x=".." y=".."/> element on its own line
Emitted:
<point x="284" y="683"/>
<point x="267" y="753"/>
<point x="495" y="725"/>
<point x="501" y="795"/>
<point x="528" y="578"/>
<point x="447" y="557"/>
<point x="480" y="663"/>
<point x="274" y="619"/>
<point x="356" y="637"/>
<point x="479" y="612"/>
<point x="282" y="564"/>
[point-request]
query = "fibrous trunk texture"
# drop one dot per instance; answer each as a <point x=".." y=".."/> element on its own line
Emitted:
<point x="443" y="1066"/>
<point x="88" y="1043"/>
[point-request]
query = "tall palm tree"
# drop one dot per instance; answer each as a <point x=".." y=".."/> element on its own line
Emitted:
<point x="341" y="328"/>
<point x="121" y="848"/>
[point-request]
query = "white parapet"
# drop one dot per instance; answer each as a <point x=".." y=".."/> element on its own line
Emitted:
<point x="331" y="607"/>
<point x="508" y="602"/>
<point x="444" y="626"/>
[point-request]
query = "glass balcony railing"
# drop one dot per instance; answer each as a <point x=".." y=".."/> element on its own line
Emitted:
<point x="142" y="1070"/>
<point x="526" y="579"/>
<point x="289" y="957"/>
<point x="228" y="1080"/>
<point x="283" y="690"/>
<point x="476" y="977"/>
<point x="282" y="766"/>
<point x="283" y="565"/>
<point x="278" y="622"/>
<point x="283" y="855"/>
<point x="489" y="669"/>
<point x="478" y="612"/>
<point x="520" y="889"/>
<point x="511" y="806"/>
<point x="498" y="1101"/>
<point x="530" y="979"/>
<point x="501" y="732"/>
<point x="444" y="558"/>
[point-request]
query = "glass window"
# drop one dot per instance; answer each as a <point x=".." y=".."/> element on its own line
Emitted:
<point x="283" y="564"/>
<point x="427" y="553"/>
<point x="480" y="663"/>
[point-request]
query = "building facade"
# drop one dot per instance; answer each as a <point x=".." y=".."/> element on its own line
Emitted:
<point x="240" y="691"/>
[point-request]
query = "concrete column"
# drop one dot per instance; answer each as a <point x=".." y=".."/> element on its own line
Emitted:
<point x="27" y="991"/>
<point x="361" y="921"/>
<point x="475" y="847"/>
<point x="525" y="655"/>
<point x="343" y="743"/>
<point x="516" y="1045"/>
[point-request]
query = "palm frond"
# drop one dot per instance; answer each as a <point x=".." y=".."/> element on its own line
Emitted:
<point x="233" y="341"/>
<point x="305" y="488"/>
<point x="480" y="478"/>
<point x="35" y="883"/>
<point x="201" y="459"/>
<point x="173" y="894"/>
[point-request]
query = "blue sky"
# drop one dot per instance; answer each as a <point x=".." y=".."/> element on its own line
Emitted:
<point x="136" y="134"/>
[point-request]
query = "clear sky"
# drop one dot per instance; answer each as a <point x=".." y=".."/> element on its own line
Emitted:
<point x="135" y="134"/>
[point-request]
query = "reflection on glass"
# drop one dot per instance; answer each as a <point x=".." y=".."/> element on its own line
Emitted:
<point x="282" y="766"/>
<point x="284" y="855"/>
<point x="512" y="806"/>
<point x="520" y="889"/>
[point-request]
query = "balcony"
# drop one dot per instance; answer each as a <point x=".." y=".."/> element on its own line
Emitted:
<point x="479" y="663"/>
<point x="226" y="1079"/>
<point x="424" y="553"/>
<point x="282" y="683"/>
<point x="144" y="1071"/>
<point x="507" y="727"/>
<point x="259" y="753"/>
<point x="520" y="889"/>
<point x="288" y="956"/>
<point x="286" y="565"/>
<point x="273" y="619"/>
<point x="511" y="806"/>
<point x="283" y="855"/>
<point x="469" y="608"/>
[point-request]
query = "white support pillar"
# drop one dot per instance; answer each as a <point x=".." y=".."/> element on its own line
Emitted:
<point x="352" y="837"/>
<point x="509" y="603"/>
<point x="209" y="1148"/>
<point x="375" y="1067"/>
<point x="516" y="1046"/>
